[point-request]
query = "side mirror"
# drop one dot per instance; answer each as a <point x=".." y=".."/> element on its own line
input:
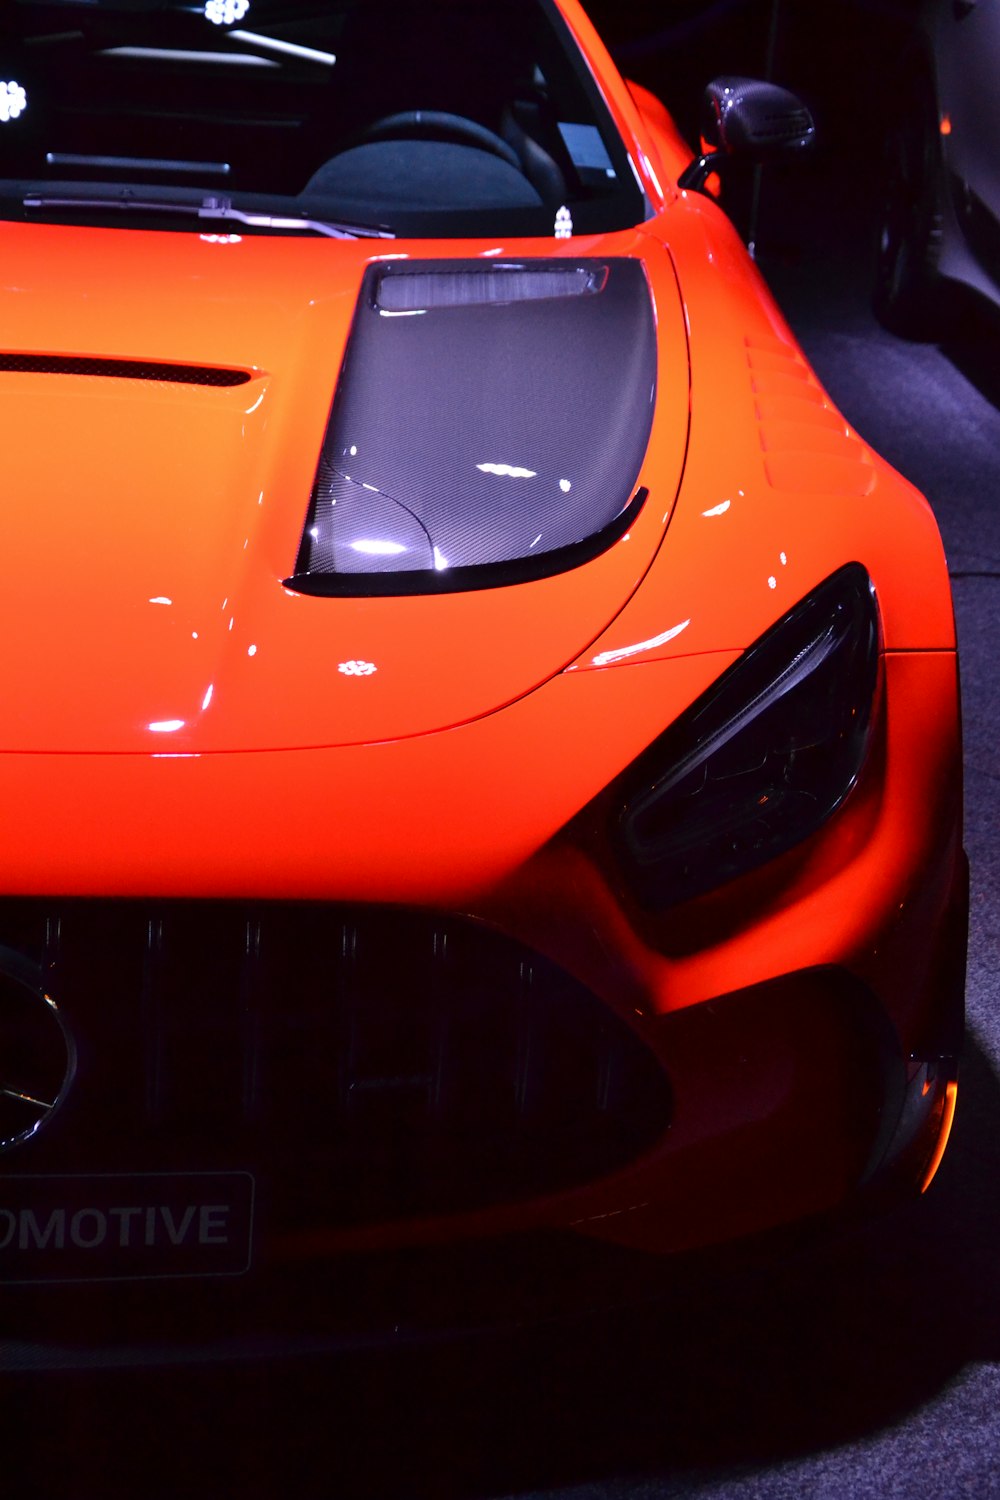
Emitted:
<point x="751" y="120"/>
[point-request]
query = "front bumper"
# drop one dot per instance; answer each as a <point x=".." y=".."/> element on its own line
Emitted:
<point x="746" y="1062"/>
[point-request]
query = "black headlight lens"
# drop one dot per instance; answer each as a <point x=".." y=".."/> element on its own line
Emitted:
<point x="764" y="757"/>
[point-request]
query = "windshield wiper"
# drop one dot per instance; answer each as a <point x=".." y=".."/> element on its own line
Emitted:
<point x="222" y="208"/>
<point x="213" y="208"/>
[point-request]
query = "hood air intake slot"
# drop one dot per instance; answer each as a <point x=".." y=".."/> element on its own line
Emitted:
<point x="121" y="369"/>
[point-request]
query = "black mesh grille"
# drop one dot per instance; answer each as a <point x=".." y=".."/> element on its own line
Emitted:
<point x="365" y="1064"/>
<point x="121" y="369"/>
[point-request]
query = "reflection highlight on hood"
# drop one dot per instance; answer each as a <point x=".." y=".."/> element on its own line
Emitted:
<point x="372" y="531"/>
<point x="507" y="471"/>
<point x="622" y="653"/>
<point x="378" y="547"/>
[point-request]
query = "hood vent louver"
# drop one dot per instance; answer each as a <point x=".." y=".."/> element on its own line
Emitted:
<point x="121" y="369"/>
<point x="806" y="445"/>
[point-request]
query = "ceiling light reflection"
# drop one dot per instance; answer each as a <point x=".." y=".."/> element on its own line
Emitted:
<point x="225" y="12"/>
<point x="185" y="55"/>
<point x="13" y="101"/>
<point x="293" y="49"/>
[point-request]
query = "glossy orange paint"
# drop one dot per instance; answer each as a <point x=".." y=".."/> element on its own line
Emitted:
<point x="241" y="663"/>
<point x="176" y="722"/>
<point x="142" y="471"/>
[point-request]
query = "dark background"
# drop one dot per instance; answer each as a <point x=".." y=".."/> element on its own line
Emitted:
<point x="838" y="54"/>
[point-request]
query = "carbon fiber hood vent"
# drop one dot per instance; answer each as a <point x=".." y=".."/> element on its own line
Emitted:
<point x="489" y="425"/>
<point x="120" y="369"/>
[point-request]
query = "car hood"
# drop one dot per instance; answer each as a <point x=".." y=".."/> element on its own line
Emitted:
<point x="152" y="513"/>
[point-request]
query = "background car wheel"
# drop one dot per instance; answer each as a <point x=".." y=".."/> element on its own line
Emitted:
<point x="909" y="288"/>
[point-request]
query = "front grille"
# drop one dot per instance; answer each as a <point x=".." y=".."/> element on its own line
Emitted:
<point x="121" y="369"/>
<point x="365" y="1064"/>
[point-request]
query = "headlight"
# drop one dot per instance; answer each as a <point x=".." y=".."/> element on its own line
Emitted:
<point x="764" y="757"/>
<point x="489" y="425"/>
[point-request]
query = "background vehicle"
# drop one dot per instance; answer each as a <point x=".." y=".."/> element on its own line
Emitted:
<point x="941" y="221"/>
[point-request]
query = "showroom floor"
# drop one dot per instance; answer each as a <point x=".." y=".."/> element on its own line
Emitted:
<point x="873" y="1370"/>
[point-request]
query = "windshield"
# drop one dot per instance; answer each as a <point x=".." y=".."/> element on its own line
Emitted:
<point x="417" y="117"/>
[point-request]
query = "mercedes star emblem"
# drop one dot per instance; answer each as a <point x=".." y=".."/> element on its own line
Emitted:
<point x="37" y="1053"/>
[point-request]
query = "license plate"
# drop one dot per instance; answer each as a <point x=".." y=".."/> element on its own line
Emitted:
<point x="117" y="1227"/>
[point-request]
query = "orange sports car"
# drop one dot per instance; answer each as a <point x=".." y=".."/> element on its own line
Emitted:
<point x="480" y="748"/>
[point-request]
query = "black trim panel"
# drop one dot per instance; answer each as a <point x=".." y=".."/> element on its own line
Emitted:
<point x="464" y="580"/>
<point x="121" y="369"/>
